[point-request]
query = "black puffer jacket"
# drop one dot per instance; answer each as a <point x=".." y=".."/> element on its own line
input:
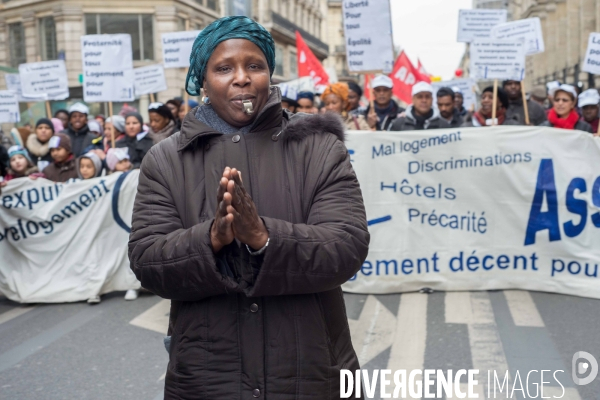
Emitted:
<point x="80" y="139"/>
<point x="243" y="327"/>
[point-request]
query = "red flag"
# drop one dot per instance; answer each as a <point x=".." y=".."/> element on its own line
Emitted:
<point x="309" y="64"/>
<point x="423" y="72"/>
<point x="405" y="75"/>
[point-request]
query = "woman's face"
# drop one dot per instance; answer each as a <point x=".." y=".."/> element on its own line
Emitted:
<point x="64" y="118"/>
<point x="174" y="110"/>
<point x="487" y="101"/>
<point x="353" y="100"/>
<point x="333" y="103"/>
<point x="157" y="121"/>
<point x="563" y="103"/>
<point x="18" y="163"/>
<point x="132" y="126"/>
<point x="236" y="71"/>
<point x="43" y="133"/>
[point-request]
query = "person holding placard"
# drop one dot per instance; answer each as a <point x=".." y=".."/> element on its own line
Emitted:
<point x="385" y="110"/>
<point x="563" y="114"/>
<point x="78" y="130"/>
<point x="420" y="115"/>
<point x="589" y="104"/>
<point x="136" y="139"/>
<point x="162" y="124"/>
<point x="38" y="144"/>
<point x="483" y="116"/>
<point x="253" y="266"/>
<point x="335" y="98"/>
<point x="537" y="114"/>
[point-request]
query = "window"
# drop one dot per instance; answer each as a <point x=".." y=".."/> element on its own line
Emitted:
<point x="278" y="60"/>
<point x="140" y="28"/>
<point x="48" y="39"/>
<point x="293" y="65"/>
<point x="16" y="40"/>
<point x="212" y="4"/>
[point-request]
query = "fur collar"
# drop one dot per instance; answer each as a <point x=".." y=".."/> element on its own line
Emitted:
<point x="301" y="125"/>
<point x="36" y="147"/>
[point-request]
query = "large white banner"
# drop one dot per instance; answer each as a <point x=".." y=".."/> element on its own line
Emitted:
<point x="64" y="242"/>
<point x="368" y="35"/>
<point x="480" y="209"/>
<point x="45" y="80"/>
<point x="177" y="47"/>
<point x="107" y="68"/>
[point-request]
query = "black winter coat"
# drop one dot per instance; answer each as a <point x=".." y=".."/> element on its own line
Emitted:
<point x="137" y="148"/>
<point x="80" y="139"/>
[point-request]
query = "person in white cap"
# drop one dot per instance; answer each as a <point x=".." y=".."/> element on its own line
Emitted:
<point x="386" y="110"/>
<point x="420" y="114"/>
<point x="563" y="114"/>
<point x="589" y="103"/>
<point x="78" y="130"/>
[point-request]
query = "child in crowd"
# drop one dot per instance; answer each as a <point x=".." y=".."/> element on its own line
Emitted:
<point x="117" y="160"/>
<point x="89" y="166"/>
<point x="20" y="164"/>
<point x="63" y="165"/>
<point x="38" y="143"/>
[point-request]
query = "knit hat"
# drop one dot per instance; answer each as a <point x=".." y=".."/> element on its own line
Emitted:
<point x="114" y="155"/>
<point x="80" y="108"/>
<point x="18" y="150"/>
<point x="95" y="160"/>
<point x="118" y="122"/>
<point x="94" y="126"/>
<point x="161" y="110"/>
<point x="60" y="140"/>
<point x="45" y="121"/>
<point x="306" y="95"/>
<point x="57" y="125"/>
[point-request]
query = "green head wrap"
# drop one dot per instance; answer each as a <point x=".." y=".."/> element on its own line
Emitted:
<point x="235" y="27"/>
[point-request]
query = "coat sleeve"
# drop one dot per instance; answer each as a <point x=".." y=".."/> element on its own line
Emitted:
<point x="326" y="251"/>
<point x="169" y="260"/>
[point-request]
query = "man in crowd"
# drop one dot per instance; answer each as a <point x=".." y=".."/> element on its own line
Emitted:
<point x="537" y="115"/>
<point x="459" y="101"/>
<point x="386" y="110"/>
<point x="589" y="104"/>
<point x="420" y="114"/>
<point x="538" y="94"/>
<point x="306" y="103"/>
<point x="445" y="104"/>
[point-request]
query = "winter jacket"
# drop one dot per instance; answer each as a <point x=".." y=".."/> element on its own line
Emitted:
<point x="138" y="147"/>
<point x="409" y="123"/>
<point x="80" y="139"/>
<point x="385" y="123"/>
<point x="61" y="172"/>
<point x="456" y="121"/>
<point x="356" y="123"/>
<point x="580" y="126"/>
<point x="38" y="152"/>
<point x="272" y="326"/>
<point x="537" y="114"/>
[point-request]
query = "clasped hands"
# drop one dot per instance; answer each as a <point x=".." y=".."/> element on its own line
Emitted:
<point x="236" y="216"/>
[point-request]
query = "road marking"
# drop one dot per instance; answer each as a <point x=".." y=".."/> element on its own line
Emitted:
<point x="408" y="350"/>
<point x="374" y="331"/>
<point x="523" y="309"/>
<point x="478" y="390"/>
<point x="22" y="351"/>
<point x="458" y="308"/>
<point x="14" y="313"/>
<point x="156" y="318"/>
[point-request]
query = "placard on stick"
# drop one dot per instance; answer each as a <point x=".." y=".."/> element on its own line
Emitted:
<point x="591" y="62"/>
<point x="477" y="23"/>
<point x="177" y="47"/>
<point x="46" y="80"/>
<point x="9" y="107"/>
<point x="498" y="59"/>
<point x="529" y="30"/>
<point x="149" y="79"/>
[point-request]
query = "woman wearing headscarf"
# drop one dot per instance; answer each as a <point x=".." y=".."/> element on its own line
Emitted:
<point x="162" y="124"/>
<point x="38" y="145"/>
<point x="335" y="98"/>
<point x="563" y="114"/>
<point x="136" y="139"/>
<point x="252" y="266"/>
<point x="483" y="116"/>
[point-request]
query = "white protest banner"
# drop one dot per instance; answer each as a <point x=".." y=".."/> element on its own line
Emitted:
<point x="467" y="87"/>
<point x="591" y="62"/>
<point x="504" y="207"/>
<point x="476" y="24"/>
<point x="292" y="88"/>
<point x="498" y="59"/>
<point x="107" y="68"/>
<point x="13" y="84"/>
<point x="368" y="34"/>
<point x="66" y="242"/>
<point x="529" y="30"/>
<point x="9" y="107"/>
<point x="149" y="79"/>
<point x="46" y="80"/>
<point x="177" y="47"/>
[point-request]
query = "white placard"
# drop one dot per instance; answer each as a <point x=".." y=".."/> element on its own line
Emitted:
<point x="107" y="68"/>
<point x="46" y="80"/>
<point x="9" y="107"/>
<point x="476" y="24"/>
<point x="13" y="84"/>
<point x="498" y="59"/>
<point x="149" y="79"/>
<point x="467" y="87"/>
<point x="177" y="47"/>
<point x="591" y="63"/>
<point x="529" y="30"/>
<point x="368" y="35"/>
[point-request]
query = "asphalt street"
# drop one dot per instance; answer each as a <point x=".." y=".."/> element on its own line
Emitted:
<point x="114" y="350"/>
